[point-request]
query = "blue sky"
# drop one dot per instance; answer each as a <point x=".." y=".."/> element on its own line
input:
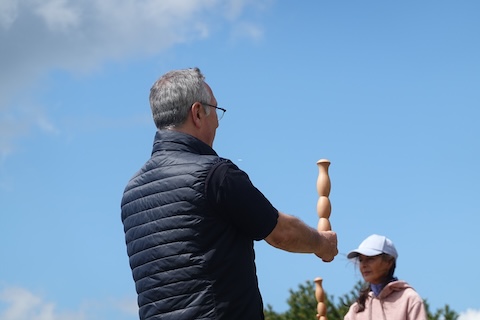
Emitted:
<point x="388" y="91"/>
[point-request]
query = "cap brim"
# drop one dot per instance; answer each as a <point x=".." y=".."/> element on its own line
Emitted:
<point x="365" y="252"/>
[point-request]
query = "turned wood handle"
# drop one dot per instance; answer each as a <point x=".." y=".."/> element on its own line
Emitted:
<point x="324" y="209"/>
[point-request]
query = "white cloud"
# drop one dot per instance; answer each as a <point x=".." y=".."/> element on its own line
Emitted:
<point x="18" y="122"/>
<point x="58" y="15"/>
<point x="24" y="305"/>
<point x="20" y="304"/>
<point x="248" y="30"/>
<point x="38" y="36"/>
<point x="234" y="8"/>
<point x="8" y="13"/>
<point x="470" y="314"/>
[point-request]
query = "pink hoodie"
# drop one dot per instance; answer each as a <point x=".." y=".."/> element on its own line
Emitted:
<point x="397" y="301"/>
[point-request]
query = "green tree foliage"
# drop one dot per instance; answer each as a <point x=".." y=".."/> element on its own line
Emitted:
<point x="303" y="306"/>
<point x="444" y="313"/>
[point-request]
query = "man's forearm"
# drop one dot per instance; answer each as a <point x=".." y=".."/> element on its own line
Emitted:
<point x="292" y="234"/>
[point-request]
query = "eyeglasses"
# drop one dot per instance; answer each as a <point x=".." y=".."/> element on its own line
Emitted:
<point x="220" y="111"/>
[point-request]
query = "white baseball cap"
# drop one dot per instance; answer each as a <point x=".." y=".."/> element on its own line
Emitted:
<point x="373" y="246"/>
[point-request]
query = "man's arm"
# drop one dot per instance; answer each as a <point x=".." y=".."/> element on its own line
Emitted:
<point x="293" y="235"/>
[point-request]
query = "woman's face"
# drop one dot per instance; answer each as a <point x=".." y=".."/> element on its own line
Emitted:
<point x="374" y="269"/>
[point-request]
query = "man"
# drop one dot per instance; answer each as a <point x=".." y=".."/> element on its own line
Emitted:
<point x="190" y="217"/>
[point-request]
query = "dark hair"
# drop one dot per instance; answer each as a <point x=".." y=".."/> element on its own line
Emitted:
<point x="364" y="291"/>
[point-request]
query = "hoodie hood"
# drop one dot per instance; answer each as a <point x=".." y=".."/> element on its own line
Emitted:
<point x="391" y="287"/>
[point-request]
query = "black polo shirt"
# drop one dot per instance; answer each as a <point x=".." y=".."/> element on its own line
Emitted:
<point x="250" y="216"/>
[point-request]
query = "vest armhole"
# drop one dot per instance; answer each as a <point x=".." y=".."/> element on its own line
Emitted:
<point x="212" y="170"/>
<point x="212" y="180"/>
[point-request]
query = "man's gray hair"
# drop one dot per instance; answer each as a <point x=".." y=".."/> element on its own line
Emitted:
<point x="173" y="94"/>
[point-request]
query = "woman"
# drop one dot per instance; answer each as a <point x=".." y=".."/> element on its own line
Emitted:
<point x="385" y="297"/>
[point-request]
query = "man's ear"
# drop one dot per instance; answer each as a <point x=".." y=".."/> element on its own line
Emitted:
<point x="197" y="112"/>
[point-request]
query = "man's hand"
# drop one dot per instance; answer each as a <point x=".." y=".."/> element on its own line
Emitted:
<point x="328" y="249"/>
